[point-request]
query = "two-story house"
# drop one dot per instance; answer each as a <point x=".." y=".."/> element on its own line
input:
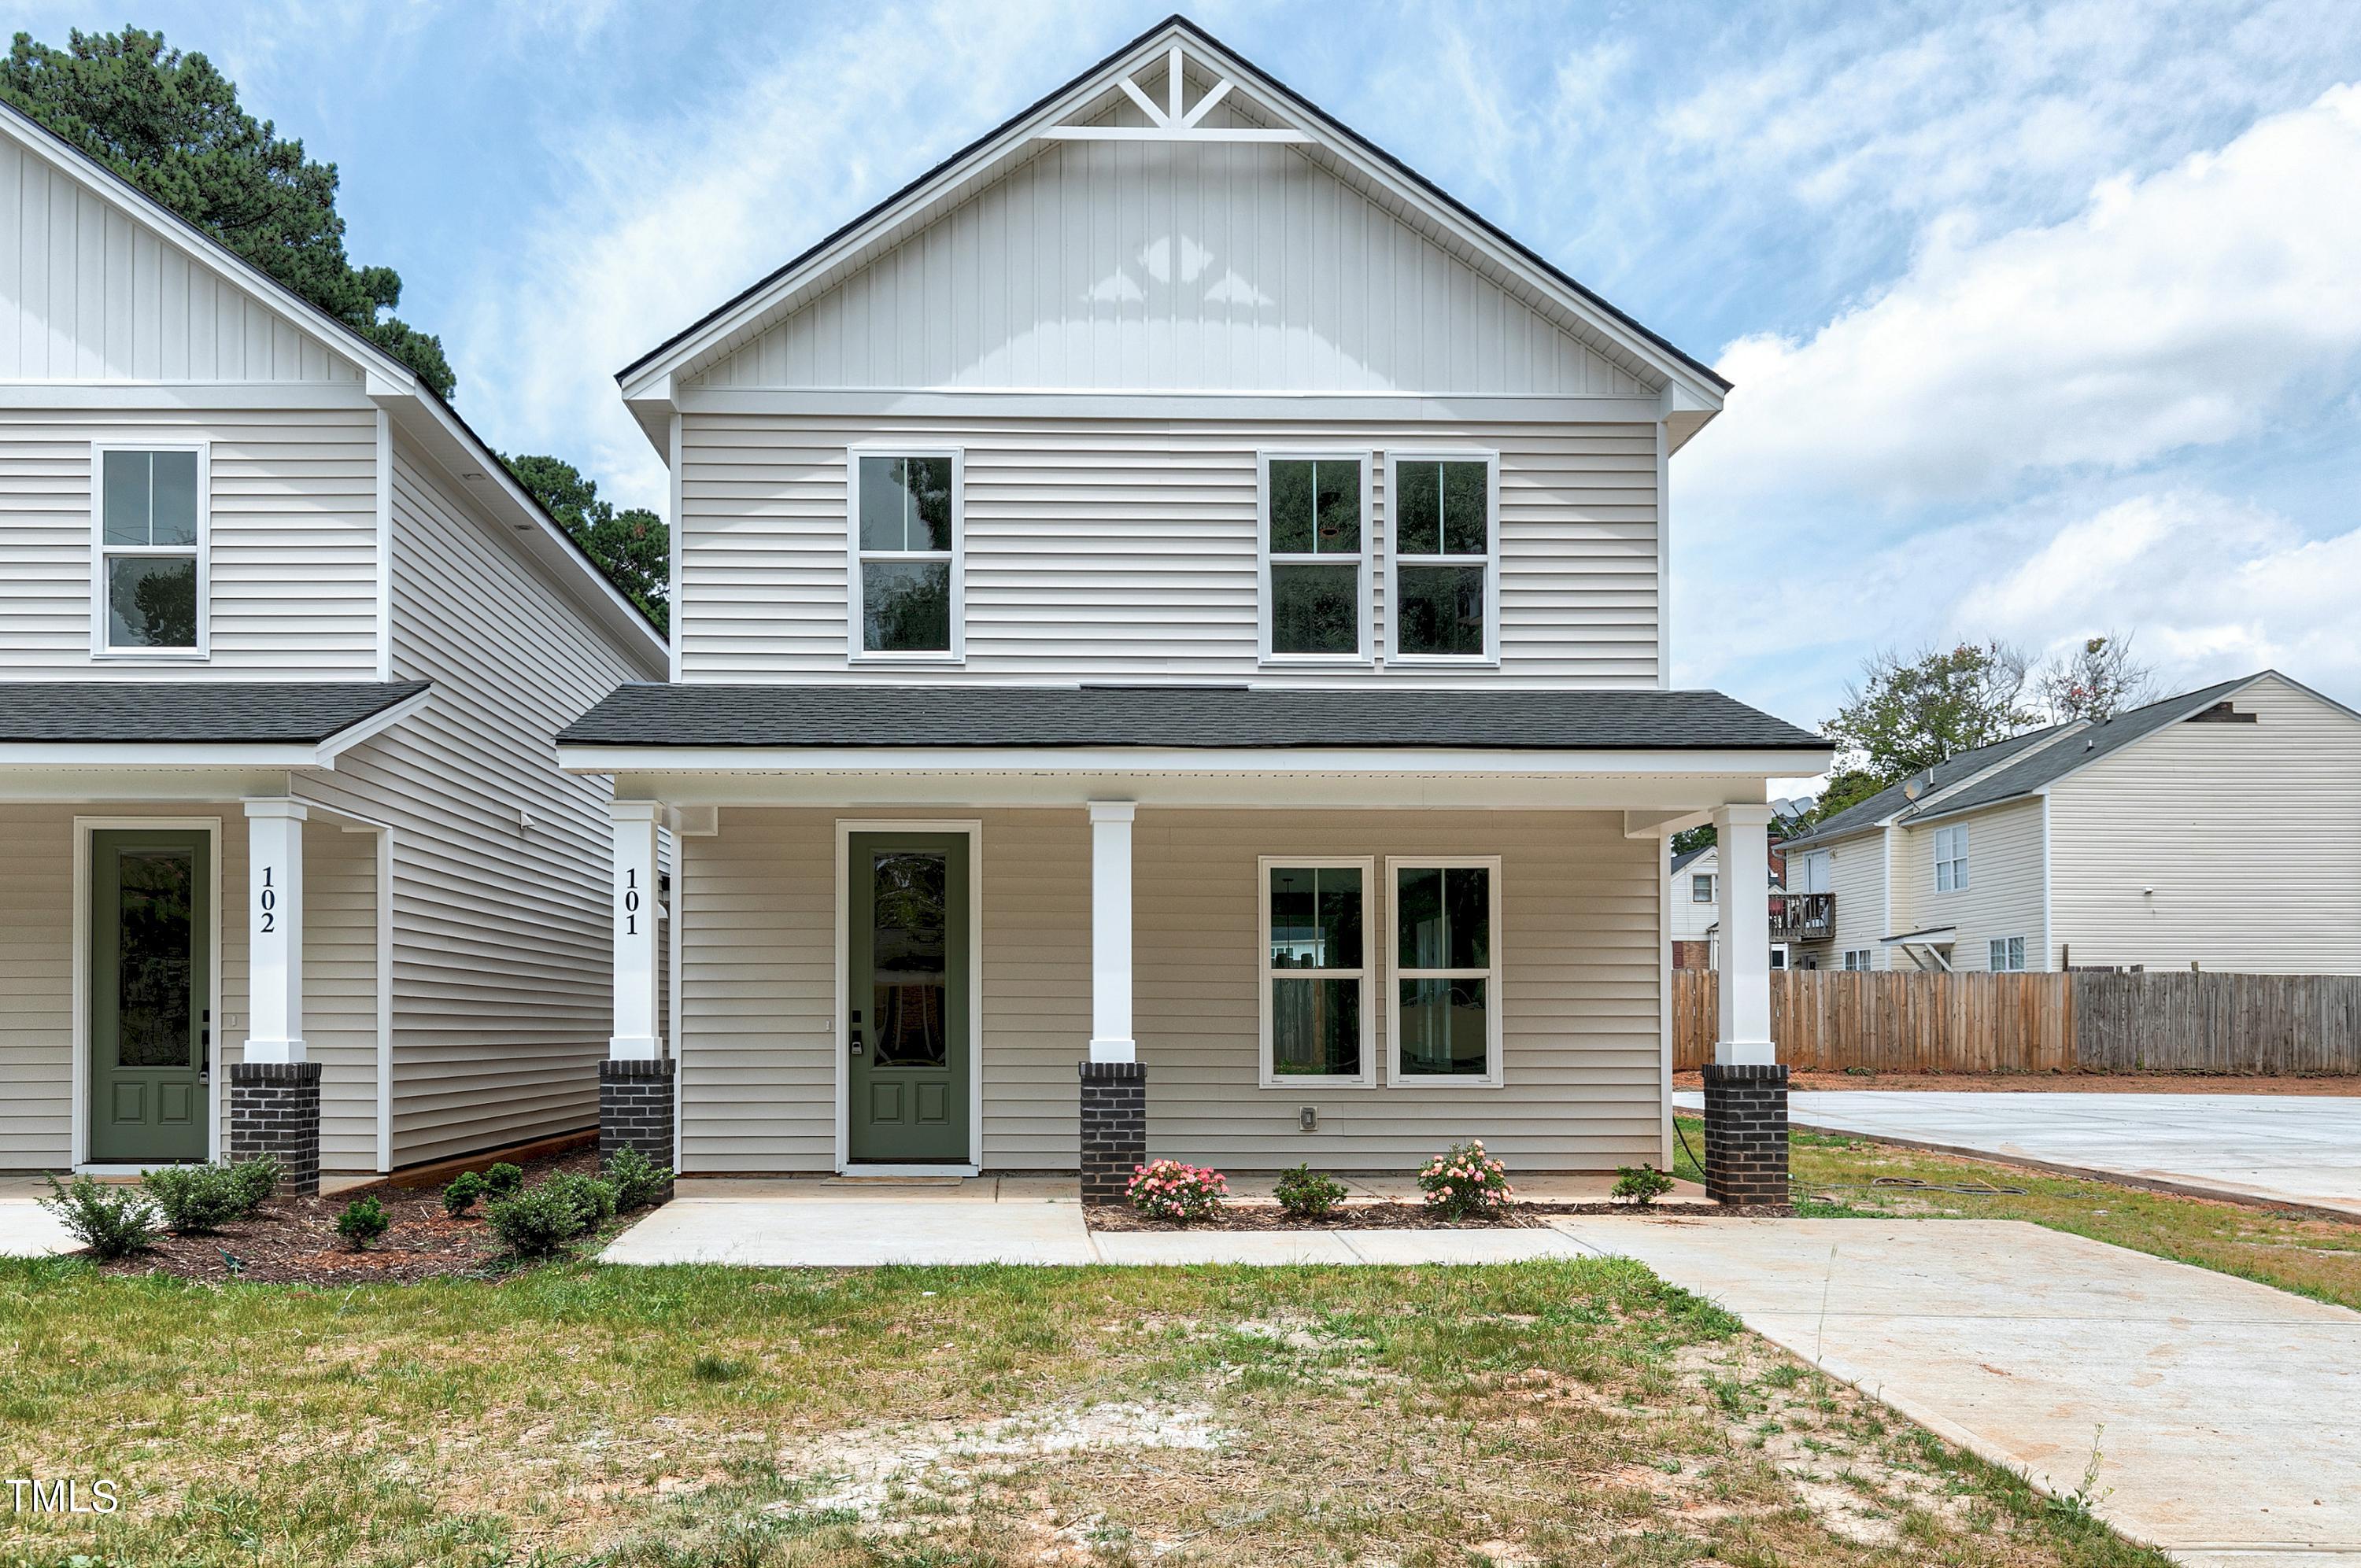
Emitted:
<point x="1173" y="591"/>
<point x="282" y="653"/>
<point x="1694" y="912"/>
<point x="2220" y="828"/>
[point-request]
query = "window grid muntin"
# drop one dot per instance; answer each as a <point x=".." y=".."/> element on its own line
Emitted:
<point x="953" y="559"/>
<point x="1951" y="859"/>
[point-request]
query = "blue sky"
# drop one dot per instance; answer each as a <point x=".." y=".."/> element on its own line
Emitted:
<point x="2045" y="317"/>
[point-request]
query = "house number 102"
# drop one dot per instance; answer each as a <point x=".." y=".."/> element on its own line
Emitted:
<point x="267" y="901"/>
<point x="631" y="901"/>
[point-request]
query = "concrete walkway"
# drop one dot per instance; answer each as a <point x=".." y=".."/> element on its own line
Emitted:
<point x="27" y="1230"/>
<point x="2295" y="1149"/>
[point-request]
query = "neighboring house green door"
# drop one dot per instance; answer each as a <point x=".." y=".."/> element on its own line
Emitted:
<point x="151" y="994"/>
<point x="906" y="1023"/>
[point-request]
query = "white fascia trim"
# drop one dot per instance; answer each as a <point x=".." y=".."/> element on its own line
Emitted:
<point x="92" y="395"/>
<point x="1277" y="761"/>
<point x="377" y="723"/>
<point x="149" y="756"/>
<point x="1149" y="402"/>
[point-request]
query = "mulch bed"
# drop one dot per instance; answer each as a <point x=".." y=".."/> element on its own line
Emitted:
<point x="1411" y="1217"/>
<point x="293" y="1241"/>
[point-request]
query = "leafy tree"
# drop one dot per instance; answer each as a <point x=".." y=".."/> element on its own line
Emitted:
<point x="1903" y="717"/>
<point x="633" y="546"/>
<point x="1696" y="838"/>
<point x="171" y="124"/>
<point x="2096" y="681"/>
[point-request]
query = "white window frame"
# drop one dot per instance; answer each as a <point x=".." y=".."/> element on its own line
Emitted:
<point x="1494" y="1076"/>
<point x="1364" y="593"/>
<point x="1859" y="961"/>
<point x="855" y="597"/>
<point x="1953" y="865"/>
<point x="100" y="550"/>
<point x="2006" y="955"/>
<point x="1705" y="878"/>
<point x="1491" y="657"/>
<point x="1373" y="931"/>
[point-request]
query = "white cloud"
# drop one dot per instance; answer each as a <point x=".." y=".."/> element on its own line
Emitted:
<point x="2173" y="311"/>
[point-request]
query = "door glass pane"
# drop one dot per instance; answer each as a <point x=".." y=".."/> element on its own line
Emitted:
<point x="156" y="940"/>
<point x="174" y="500"/>
<point x="906" y="607"/>
<point x="152" y="601"/>
<point x="1315" y="918"/>
<point x="1464" y="531"/>
<point x="126" y="498"/>
<point x="1315" y="609"/>
<point x="1442" y="610"/>
<point x="1315" y="1026"/>
<point x="1443" y="1027"/>
<point x="1418" y="509"/>
<point x="909" y="977"/>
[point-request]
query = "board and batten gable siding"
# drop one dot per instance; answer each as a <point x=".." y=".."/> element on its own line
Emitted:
<point x="1111" y="547"/>
<point x="89" y="293"/>
<point x="292" y="558"/>
<point x="2003" y="897"/>
<point x="502" y="956"/>
<point x="1137" y="265"/>
<point x="2250" y="835"/>
<point x="1581" y="990"/>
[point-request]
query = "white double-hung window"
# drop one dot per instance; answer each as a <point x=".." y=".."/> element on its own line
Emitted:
<point x="1314" y="551"/>
<point x="1446" y="1000"/>
<point x="908" y="598"/>
<point x="2007" y="955"/>
<point x="1951" y="859"/>
<point x="149" y="548"/>
<point x="1313" y="950"/>
<point x="1701" y="887"/>
<point x="1443" y="557"/>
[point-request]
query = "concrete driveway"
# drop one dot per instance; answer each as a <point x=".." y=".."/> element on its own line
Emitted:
<point x="2294" y="1150"/>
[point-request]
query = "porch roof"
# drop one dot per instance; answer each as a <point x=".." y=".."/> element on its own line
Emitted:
<point x="193" y="712"/>
<point x="1228" y="718"/>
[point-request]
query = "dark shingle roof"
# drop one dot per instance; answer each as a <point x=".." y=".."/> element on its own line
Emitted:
<point x="1190" y="716"/>
<point x="1685" y="856"/>
<point x="189" y="712"/>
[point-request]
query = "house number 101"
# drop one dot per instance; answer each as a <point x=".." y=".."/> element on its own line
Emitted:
<point x="631" y="901"/>
<point x="267" y="901"/>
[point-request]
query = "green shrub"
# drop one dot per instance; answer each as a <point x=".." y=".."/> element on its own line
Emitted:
<point x="504" y="1180"/>
<point x="536" y="1223"/>
<point x="194" y="1198"/>
<point x="363" y="1221"/>
<point x="1466" y="1181"/>
<point x="1643" y="1184"/>
<point x="1308" y="1195"/>
<point x="592" y="1199"/>
<point x="461" y="1194"/>
<point x="638" y="1181"/>
<point x="256" y="1179"/>
<point x="112" y="1221"/>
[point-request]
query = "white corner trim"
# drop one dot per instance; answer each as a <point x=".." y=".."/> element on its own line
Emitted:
<point x="384" y="544"/>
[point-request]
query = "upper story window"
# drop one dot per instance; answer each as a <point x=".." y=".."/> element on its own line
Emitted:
<point x="1315" y="1018"/>
<point x="908" y="553"/>
<point x="149" y="550"/>
<point x="1442" y="556"/>
<point x="1701" y="887"/>
<point x="1951" y="859"/>
<point x="1315" y="553"/>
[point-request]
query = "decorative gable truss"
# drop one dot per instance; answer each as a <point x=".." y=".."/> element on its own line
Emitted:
<point x="1170" y="120"/>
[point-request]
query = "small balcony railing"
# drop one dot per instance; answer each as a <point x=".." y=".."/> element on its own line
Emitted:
<point x="1803" y="916"/>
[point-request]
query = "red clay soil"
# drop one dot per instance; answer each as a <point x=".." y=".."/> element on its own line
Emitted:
<point x="2070" y="1082"/>
<point x="293" y="1241"/>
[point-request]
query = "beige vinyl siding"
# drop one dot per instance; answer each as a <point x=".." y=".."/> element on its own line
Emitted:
<point x="1581" y="991"/>
<point x="502" y="956"/>
<point x="2250" y="834"/>
<point x="1140" y="265"/>
<point x="1856" y="878"/>
<point x="340" y="988"/>
<point x="1113" y="548"/>
<point x="294" y="543"/>
<point x="2003" y="897"/>
<point x="89" y="293"/>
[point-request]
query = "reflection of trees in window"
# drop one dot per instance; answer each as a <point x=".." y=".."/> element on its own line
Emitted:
<point x="156" y="979"/>
<point x="908" y="981"/>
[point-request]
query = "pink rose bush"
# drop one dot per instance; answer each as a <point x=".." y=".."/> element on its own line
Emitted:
<point x="1466" y="1181"/>
<point x="1168" y="1189"/>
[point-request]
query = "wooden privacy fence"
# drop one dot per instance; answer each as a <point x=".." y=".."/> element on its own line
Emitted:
<point x="1833" y="1019"/>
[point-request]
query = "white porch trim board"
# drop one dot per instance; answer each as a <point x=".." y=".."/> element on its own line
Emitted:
<point x="274" y="835"/>
<point x="1111" y="1038"/>
<point x="635" y="824"/>
<point x="1742" y="835"/>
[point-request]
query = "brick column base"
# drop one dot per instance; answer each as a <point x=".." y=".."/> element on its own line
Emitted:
<point x="635" y="1100"/>
<point x="274" y="1109"/>
<point x="1115" y="1128"/>
<point x="1746" y="1133"/>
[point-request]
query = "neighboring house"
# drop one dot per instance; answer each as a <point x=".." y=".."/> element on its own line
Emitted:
<point x="1169" y="591"/>
<point x="282" y="650"/>
<point x="1694" y="909"/>
<point x="2220" y="828"/>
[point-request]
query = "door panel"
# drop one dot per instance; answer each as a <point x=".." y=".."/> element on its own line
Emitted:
<point x="151" y="994"/>
<point x="907" y="1019"/>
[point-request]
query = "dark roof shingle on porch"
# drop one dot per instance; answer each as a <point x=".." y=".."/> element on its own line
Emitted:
<point x="1193" y="717"/>
<point x="192" y="712"/>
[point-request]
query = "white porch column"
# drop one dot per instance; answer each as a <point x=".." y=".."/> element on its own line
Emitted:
<point x="634" y="823"/>
<point x="1742" y="832"/>
<point x="274" y="839"/>
<point x="1111" y="931"/>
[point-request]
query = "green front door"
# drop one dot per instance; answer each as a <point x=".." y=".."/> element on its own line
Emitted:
<point x="907" y="1018"/>
<point x="151" y="994"/>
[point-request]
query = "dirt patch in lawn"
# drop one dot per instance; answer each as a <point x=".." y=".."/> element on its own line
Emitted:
<point x="293" y="1241"/>
<point x="2069" y="1082"/>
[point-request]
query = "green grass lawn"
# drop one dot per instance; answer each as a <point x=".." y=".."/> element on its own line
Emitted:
<point x="1839" y="1177"/>
<point x="1575" y="1412"/>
